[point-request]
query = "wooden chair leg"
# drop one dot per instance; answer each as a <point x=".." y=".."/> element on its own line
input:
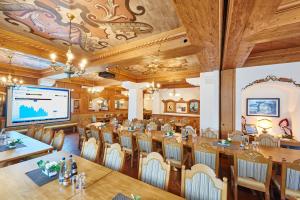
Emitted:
<point x="267" y="195"/>
<point x="132" y="159"/>
<point x="235" y="192"/>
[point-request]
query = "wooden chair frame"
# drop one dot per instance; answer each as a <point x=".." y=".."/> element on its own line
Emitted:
<point x="81" y="137"/>
<point x="256" y="157"/>
<point x="125" y="133"/>
<point x="209" y="133"/>
<point x="45" y="134"/>
<point x="121" y="153"/>
<point x="173" y="142"/>
<point x="38" y="130"/>
<point x="60" y="145"/>
<point x="107" y="129"/>
<point x="188" y="174"/>
<point x="156" y="156"/>
<point x="94" y="129"/>
<point x="206" y="147"/>
<point x="268" y="137"/>
<point x="285" y="165"/>
<point x="143" y="137"/>
<point x="31" y="131"/>
<point x="166" y="124"/>
<point x="95" y="143"/>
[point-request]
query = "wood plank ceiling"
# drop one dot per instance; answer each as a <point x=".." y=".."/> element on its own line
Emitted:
<point x="145" y="40"/>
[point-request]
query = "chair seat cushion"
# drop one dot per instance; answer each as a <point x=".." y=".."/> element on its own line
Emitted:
<point x="289" y="193"/>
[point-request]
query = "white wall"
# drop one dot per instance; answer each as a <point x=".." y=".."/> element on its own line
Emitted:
<point x="209" y="102"/>
<point x="289" y="95"/>
<point x="148" y="101"/>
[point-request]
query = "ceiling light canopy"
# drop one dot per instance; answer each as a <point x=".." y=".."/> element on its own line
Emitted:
<point x="10" y="81"/>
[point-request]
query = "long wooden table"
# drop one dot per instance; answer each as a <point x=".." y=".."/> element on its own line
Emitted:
<point x="115" y="182"/>
<point x="277" y="154"/>
<point x="102" y="183"/>
<point x="32" y="147"/>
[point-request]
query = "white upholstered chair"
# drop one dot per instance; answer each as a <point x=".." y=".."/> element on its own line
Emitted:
<point x="95" y="133"/>
<point x="209" y="133"/>
<point x="144" y="144"/>
<point x="289" y="182"/>
<point x="30" y="131"/>
<point x="82" y="135"/>
<point x="90" y="149"/>
<point x="47" y="136"/>
<point x="151" y="126"/>
<point x="114" y="157"/>
<point x="206" y="154"/>
<point x="251" y="170"/>
<point x="126" y="142"/>
<point x="39" y="130"/>
<point x="268" y="140"/>
<point x="58" y="140"/>
<point x="107" y="136"/>
<point x="173" y="152"/>
<point x="200" y="182"/>
<point x="154" y="171"/>
<point x="188" y="130"/>
<point x="166" y="127"/>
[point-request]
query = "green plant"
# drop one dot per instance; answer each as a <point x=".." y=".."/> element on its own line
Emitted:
<point x="49" y="166"/>
<point x="15" y="142"/>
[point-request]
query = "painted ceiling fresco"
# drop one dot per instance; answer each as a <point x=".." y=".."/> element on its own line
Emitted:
<point x="154" y="65"/>
<point x="24" y="60"/>
<point x="97" y="24"/>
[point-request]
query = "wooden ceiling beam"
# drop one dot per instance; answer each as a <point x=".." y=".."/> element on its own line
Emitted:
<point x="203" y="21"/>
<point x="244" y="19"/>
<point x="19" y="71"/>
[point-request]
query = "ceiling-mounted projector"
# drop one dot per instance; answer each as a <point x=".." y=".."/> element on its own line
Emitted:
<point x="106" y="74"/>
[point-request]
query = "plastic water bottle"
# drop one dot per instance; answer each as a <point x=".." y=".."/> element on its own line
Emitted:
<point x="62" y="170"/>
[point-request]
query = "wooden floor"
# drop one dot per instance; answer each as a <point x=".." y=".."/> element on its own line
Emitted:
<point x="71" y="142"/>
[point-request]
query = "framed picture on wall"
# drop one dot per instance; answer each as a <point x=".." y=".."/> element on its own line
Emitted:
<point x="268" y="107"/>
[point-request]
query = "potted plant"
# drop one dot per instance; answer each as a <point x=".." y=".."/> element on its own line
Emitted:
<point x="13" y="143"/>
<point x="49" y="168"/>
<point x="169" y="133"/>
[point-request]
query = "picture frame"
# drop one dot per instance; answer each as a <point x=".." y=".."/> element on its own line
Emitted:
<point x="250" y="129"/>
<point x="194" y="106"/>
<point x="267" y="107"/>
<point x="170" y="106"/>
<point x="181" y="107"/>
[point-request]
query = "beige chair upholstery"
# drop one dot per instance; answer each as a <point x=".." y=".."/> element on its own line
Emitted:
<point x="90" y="150"/>
<point x="201" y="183"/>
<point x="82" y="135"/>
<point x="209" y="133"/>
<point x="173" y="152"/>
<point x="107" y="136"/>
<point x="268" y="140"/>
<point x="166" y="127"/>
<point x="47" y="136"/>
<point x="206" y="154"/>
<point x="144" y="144"/>
<point x="188" y="130"/>
<point x="58" y="140"/>
<point x="39" y="130"/>
<point x="95" y="132"/>
<point x="252" y="170"/>
<point x="126" y="123"/>
<point x="114" y="157"/>
<point x="126" y="142"/>
<point x="152" y="126"/>
<point x="154" y="171"/>
<point x="289" y="182"/>
<point x="30" y="131"/>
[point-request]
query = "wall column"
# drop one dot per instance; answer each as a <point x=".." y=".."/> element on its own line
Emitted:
<point x="156" y="102"/>
<point x="136" y="99"/>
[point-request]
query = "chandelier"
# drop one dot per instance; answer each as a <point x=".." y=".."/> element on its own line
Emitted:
<point x="9" y="81"/>
<point x="151" y="88"/>
<point x="69" y="68"/>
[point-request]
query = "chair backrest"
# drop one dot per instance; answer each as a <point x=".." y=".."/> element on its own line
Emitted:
<point x="126" y="140"/>
<point x="206" y="154"/>
<point x="188" y="130"/>
<point x="154" y="171"/>
<point x="107" y="135"/>
<point x="138" y="124"/>
<point x="126" y="123"/>
<point x="82" y="131"/>
<point x="200" y="182"/>
<point x="290" y="179"/>
<point x="30" y="131"/>
<point x="173" y="151"/>
<point x="185" y="121"/>
<point x="253" y="165"/>
<point x="47" y="136"/>
<point x="166" y="127"/>
<point x="209" y="133"/>
<point x="268" y="140"/>
<point x="152" y="126"/>
<point x="58" y="140"/>
<point x="237" y="136"/>
<point x="114" y="157"/>
<point x="94" y="119"/>
<point x="95" y="132"/>
<point x="144" y="143"/>
<point x="39" y="130"/>
<point x="90" y="150"/>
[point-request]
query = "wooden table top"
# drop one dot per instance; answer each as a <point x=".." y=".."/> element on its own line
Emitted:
<point x="20" y="187"/>
<point x="32" y="147"/>
<point x="277" y="154"/>
<point x="97" y="124"/>
<point x="115" y="182"/>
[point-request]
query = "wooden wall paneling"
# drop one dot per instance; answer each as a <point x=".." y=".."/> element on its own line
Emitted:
<point x="227" y="121"/>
